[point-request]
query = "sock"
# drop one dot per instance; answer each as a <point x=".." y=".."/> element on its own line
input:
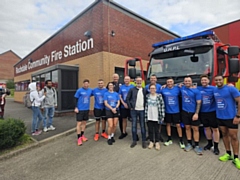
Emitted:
<point x="215" y="145"/>
<point x="189" y="141"/>
<point x="229" y="152"/>
<point x="180" y="139"/>
<point x="112" y="135"/>
<point x="109" y="136"/>
<point x="169" y="138"/>
<point x="78" y="135"/>
<point x="235" y="156"/>
<point x="103" y="131"/>
<point x="210" y="142"/>
<point x="82" y="132"/>
<point x="196" y="143"/>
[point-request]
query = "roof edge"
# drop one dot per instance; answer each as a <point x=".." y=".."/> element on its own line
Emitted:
<point x="11" y="52"/>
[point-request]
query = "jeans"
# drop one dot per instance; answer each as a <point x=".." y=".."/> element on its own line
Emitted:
<point x="153" y="131"/>
<point x="136" y="114"/>
<point x="48" y="114"/>
<point x="37" y="118"/>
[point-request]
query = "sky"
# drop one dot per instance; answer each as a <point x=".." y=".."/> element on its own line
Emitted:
<point x="26" y="24"/>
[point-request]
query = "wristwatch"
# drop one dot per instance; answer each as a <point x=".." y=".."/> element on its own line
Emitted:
<point x="238" y="116"/>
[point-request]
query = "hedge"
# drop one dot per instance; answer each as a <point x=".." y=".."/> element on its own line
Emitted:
<point x="11" y="132"/>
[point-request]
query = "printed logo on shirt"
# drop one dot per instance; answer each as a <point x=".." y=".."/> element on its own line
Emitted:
<point x="187" y="99"/>
<point x="221" y="104"/>
<point x="85" y="99"/>
<point x="171" y="100"/>
<point x="206" y="100"/>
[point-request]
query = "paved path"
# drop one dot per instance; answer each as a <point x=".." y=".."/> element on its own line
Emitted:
<point x="62" y="159"/>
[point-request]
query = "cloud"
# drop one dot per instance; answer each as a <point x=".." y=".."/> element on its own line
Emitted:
<point x="26" y="24"/>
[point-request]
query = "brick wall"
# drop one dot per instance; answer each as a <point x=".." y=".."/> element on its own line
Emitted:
<point x="7" y="61"/>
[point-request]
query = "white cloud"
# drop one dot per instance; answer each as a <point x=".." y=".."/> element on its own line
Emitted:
<point x="26" y="24"/>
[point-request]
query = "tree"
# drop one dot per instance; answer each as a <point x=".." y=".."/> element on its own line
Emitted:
<point x="10" y="84"/>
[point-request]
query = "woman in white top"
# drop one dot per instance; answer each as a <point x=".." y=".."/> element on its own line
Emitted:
<point x="154" y="115"/>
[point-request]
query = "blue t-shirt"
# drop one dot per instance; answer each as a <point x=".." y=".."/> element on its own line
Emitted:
<point x="83" y="96"/>
<point x="158" y="88"/>
<point x="225" y="102"/>
<point x="124" y="91"/>
<point x="208" y="100"/>
<point x="190" y="96"/>
<point x="171" y="99"/>
<point x="112" y="99"/>
<point x="98" y="97"/>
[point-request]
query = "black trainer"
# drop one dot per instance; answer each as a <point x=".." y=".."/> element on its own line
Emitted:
<point x="207" y="147"/>
<point x="144" y="145"/>
<point x="109" y="141"/>
<point x="216" y="151"/>
<point x="113" y="140"/>
<point x="134" y="143"/>
<point x="123" y="135"/>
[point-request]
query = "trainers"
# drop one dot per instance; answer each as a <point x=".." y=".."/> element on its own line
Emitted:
<point x="79" y="143"/>
<point x="198" y="150"/>
<point x="51" y="128"/>
<point x="182" y="145"/>
<point x="109" y="141"/>
<point x="168" y="143"/>
<point x="104" y="135"/>
<point x="150" y="146"/>
<point x="84" y="138"/>
<point x="45" y="129"/>
<point x="208" y="147"/>
<point x="157" y="146"/>
<point x="113" y="140"/>
<point x="216" y="151"/>
<point x="225" y="157"/>
<point x="236" y="161"/>
<point x="38" y="132"/>
<point x="188" y="147"/>
<point x="144" y="145"/>
<point x="34" y="134"/>
<point x="96" y="137"/>
<point x="134" y="143"/>
<point x="123" y="135"/>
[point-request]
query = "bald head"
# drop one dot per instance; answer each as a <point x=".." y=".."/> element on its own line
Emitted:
<point x="127" y="80"/>
<point x="115" y="77"/>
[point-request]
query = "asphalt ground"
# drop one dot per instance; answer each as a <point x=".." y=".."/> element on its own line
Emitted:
<point x="62" y="159"/>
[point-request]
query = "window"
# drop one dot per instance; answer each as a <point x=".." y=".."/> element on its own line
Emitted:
<point x="221" y="63"/>
<point x="22" y="86"/>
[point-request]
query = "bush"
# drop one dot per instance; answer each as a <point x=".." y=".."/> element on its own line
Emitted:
<point x="10" y="84"/>
<point x="11" y="132"/>
<point x="12" y="92"/>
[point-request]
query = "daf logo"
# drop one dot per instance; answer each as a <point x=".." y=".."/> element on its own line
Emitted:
<point x="172" y="48"/>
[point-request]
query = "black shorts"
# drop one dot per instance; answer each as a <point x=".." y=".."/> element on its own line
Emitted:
<point x="125" y="113"/>
<point x="172" y="118"/>
<point x="187" y="119"/>
<point x="110" y="114"/>
<point x="99" y="113"/>
<point x="227" y="123"/>
<point x="209" y="119"/>
<point x="82" y="115"/>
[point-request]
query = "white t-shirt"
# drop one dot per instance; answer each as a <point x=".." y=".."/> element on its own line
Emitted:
<point x="152" y="108"/>
<point x="139" y="103"/>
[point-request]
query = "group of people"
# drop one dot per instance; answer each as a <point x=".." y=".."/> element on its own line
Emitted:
<point x="214" y="107"/>
<point x="44" y="102"/>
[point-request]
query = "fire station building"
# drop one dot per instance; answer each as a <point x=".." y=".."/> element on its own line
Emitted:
<point x="93" y="45"/>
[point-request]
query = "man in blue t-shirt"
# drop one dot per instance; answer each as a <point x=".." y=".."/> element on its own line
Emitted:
<point x="228" y="118"/>
<point x="153" y="80"/>
<point x="191" y="103"/>
<point x="82" y="109"/>
<point x="124" y="110"/>
<point x="99" y="109"/>
<point x="172" y="114"/>
<point x="207" y="114"/>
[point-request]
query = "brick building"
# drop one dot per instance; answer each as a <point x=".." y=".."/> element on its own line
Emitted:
<point x="93" y="45"/>
<point x="7" y="60"/>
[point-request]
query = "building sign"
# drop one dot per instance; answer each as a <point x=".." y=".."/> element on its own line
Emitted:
<point x="68" y="50"/>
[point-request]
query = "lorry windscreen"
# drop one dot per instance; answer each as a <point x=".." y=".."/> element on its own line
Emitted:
<point x="179" y="63"/>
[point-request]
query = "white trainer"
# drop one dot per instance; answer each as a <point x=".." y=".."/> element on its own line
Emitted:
<point x="45" y="129"/>
<point x="51" y="128"/>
